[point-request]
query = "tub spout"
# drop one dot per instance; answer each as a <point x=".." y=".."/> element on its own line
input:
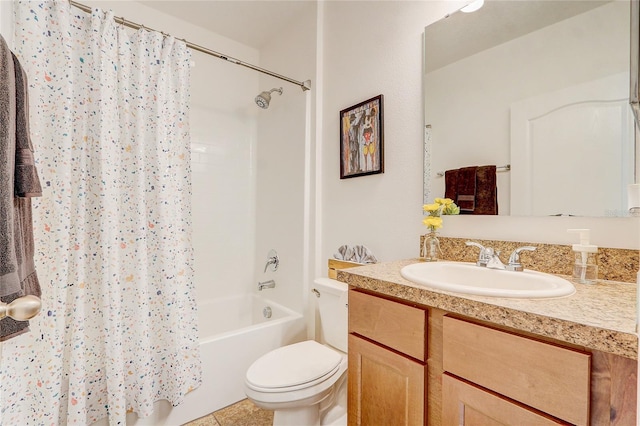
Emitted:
<point x="266" y="284"/>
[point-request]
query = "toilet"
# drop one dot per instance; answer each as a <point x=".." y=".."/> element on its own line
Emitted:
<point x="306" y="383"/>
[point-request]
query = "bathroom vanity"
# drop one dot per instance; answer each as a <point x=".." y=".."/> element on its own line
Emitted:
<point x="425" y="356"/>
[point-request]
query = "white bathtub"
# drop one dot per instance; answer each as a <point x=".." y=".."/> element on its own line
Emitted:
<point x="233" y="334"/>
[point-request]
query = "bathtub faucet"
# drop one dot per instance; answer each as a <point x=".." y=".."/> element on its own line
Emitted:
<point x="272" y="260"/>
<point x="266" y="284"/>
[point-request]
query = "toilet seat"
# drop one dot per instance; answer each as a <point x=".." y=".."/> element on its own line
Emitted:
<point x="299" y="396"/>
<point x="293" y="367"/>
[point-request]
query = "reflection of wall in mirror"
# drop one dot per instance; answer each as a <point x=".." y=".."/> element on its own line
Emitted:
<point x="476" y="129"/>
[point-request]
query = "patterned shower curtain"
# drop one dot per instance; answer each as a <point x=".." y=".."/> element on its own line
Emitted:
<point x="109" y="120"/>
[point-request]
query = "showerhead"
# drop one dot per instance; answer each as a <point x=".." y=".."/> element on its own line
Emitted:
<point x="263" y="99"/>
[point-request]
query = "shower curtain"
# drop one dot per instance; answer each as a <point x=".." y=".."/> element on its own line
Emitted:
<point x="109" y="120"/>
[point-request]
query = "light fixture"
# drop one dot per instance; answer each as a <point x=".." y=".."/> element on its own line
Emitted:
<point x="473" y="6"/>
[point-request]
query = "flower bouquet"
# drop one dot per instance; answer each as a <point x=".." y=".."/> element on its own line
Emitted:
<point x="433" y="221"/>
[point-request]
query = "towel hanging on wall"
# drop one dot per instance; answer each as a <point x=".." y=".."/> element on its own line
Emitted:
<point x="18" y="183"/>
<point x="474" y="189"/>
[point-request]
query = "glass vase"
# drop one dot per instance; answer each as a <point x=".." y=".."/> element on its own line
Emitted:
<point x="431" y="247"/>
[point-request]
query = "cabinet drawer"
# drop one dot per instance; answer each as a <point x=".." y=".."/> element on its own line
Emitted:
<point x="466" y="404"/>
<point x="550" y="378"/>
<point x="400" y="327"/>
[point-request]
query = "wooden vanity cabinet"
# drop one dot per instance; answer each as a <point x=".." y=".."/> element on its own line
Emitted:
<point x="416" y="365"/>
<point x="387" y="362"/>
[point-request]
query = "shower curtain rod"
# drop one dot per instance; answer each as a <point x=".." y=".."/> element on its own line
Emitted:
<point x="305" y="85"/>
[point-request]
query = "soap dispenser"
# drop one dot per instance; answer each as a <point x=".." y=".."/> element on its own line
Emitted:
<point x="585" y="267"/>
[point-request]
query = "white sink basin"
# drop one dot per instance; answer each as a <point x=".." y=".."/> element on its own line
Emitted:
<point x="468" y="278"/>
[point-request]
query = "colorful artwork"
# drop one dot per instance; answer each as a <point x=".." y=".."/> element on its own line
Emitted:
<point x="361" y="139"/>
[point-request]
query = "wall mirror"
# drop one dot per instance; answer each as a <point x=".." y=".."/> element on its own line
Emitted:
<point x="541" y="90"/>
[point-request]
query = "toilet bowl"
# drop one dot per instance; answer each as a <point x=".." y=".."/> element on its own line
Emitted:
<point x="305" y="383"/>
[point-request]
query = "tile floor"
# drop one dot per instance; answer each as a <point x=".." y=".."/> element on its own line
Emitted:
<point x="243" y="413"/>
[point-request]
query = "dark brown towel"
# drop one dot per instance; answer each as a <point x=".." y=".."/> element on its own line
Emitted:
<point x="466" y="192"/>
<point x="451" y="184"/>
<point x="486" y="191"/>
<point x="483" y="186"/>
<point x="19" y="181"/>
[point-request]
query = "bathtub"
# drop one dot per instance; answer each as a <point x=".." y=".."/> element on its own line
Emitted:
<point x="234" y="332"/>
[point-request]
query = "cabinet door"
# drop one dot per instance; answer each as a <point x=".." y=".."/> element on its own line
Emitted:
<point x="469" y="405"/>
<point x="385" y="388"/>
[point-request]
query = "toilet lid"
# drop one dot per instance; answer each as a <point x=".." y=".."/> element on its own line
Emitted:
<point x="293" y="365"/>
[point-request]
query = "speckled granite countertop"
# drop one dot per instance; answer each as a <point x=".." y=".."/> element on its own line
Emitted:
<point x="600" y="317"/>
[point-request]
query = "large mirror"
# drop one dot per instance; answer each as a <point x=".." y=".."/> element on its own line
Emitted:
<point x="539" y="89"/>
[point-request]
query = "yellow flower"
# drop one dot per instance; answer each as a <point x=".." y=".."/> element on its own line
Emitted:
<point x="440" y="206"/>
<point x="431" y="207"/>
<point x="443" y="201"/>
<point x="433" y="222"/>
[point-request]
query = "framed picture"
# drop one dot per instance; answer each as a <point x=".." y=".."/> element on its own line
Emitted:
<point x="361" y="139"/>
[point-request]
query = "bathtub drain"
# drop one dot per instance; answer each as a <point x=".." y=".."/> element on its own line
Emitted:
<point x="266" y="312"/>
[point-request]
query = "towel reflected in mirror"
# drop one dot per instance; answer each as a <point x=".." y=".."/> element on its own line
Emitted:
<point x="474" y="189"/>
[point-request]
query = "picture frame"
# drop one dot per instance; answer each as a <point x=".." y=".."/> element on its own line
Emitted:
<point x="362" y="139"/>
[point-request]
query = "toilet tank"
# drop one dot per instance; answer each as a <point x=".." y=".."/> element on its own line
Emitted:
<point x="332" y="306"/>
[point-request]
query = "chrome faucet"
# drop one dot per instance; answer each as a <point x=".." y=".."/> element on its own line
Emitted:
<point x="514" y="259"/>
<point x="266" y="284"/>
<point x="490" y="258"/>
<point x="485" y="253"/>
<point x="494" y="261"/>
<point x="272" y="259"/>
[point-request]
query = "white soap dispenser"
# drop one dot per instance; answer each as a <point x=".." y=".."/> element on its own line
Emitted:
<point x="585" y="267"/>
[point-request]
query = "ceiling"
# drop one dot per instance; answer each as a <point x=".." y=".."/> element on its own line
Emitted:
<point x="255" y="22"/>
<point x="250" y="22"/>
<point x="462" y="34"/>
